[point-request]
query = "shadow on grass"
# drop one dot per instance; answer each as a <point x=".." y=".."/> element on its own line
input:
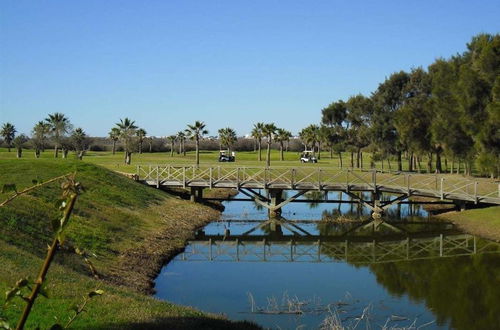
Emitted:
<point x="183" y="323"/>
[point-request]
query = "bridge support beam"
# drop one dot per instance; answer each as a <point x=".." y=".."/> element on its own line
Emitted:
<point x="196" y="194"/>
<point x="276" y="198"/>
<point x="274" y="202"/>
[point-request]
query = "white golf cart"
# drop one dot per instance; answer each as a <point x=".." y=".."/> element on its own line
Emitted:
<point x="225" y="156"/>
<point x="307" y="156"/>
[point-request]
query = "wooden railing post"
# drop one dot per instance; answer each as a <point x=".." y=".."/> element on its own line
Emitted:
<point x="408" y="184"/>
<point x="211" y="182"/>
<point x="238" y="178"/>
<point x="292" y="178"/>
<point x="442" y="186"/>
<point x="319" y="179"/>
<point x="157" y="176"/>
<point x="184" y="177"/>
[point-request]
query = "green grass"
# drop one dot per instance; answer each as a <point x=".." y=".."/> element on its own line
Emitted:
<point x="130" y="228"/>
<point x="483" y="222"/>
<point x="246" y="158"/>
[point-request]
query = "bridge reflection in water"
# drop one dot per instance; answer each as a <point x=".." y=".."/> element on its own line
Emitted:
<point x="367" y="242"/>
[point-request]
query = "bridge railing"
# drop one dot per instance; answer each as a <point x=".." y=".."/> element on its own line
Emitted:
<point x="436" y="185"/>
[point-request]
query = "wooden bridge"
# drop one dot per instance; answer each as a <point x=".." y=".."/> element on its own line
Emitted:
<point x="248" y="180"/>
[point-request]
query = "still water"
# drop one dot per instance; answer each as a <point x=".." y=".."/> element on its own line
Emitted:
<point x="317" y="267"/>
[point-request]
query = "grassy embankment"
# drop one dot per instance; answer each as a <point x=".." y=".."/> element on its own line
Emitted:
<point x="482" y="222"/>
<point x="131" y="229"/>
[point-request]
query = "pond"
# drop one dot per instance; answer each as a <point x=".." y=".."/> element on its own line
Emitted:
<point x="325" y="264"/>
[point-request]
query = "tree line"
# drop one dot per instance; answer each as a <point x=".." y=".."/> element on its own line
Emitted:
<point x="448" y="115"/>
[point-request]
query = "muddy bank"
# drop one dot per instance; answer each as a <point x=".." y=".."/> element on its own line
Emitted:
<point x="178" y="220"/>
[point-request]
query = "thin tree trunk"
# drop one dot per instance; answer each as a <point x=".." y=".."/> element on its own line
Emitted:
<point x="37" y="153"/>
<point x="56" y="151"/>
<point x="357" y="157"/>
<point x="128" y="157"/>
<point x="268" y="155"/>
<point x="172" y="146"/>
<point x="400" y="162"/>
<point x="184" y="148"/>
<point x="429" y="163"/>
<point x="352" y="159"/>
<point x="340" y="159"/>
<point x="197" y="152"/>
<point x="319" y="150"/>
<point x="114" y="147"/>
<point x="439" y="169"/>
<point x="361" y="156"/>
<point x="281" y="152"/>
<point x="259" y="144"/>
<point x="140" y="147"/>
<point x="389" y="163"/>
<point x="19" y="152"/>
<point x="452" y="164"/>
<point x="410" y="162"/>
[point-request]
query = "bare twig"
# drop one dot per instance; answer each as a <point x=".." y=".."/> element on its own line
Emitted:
<point x="27" y="190"/>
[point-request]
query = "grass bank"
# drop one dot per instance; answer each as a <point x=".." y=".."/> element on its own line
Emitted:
<point x="483" y="222"/>
<point x="130" y="229"/>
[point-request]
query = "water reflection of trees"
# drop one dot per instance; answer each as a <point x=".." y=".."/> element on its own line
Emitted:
<point x="464" y="291"/>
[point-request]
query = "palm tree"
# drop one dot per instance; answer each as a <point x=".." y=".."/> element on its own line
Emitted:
<point x="141" y="134"/>
<point x="39" y="137"/>
<point x="127" y="132"/>
<point x="79" y="139"/>
<point x="59" y="126"/>
<point x="196" y="132"/>
<point x="227" y="137"/>
<point x="114" y="135"/>
<point x="8" y="132"/>
<point x="18" y="143"/>
<point x="269" y="131"/>
<point x="258" y="135"/>
<point x="181" y="136"/>
<point x="282" y="136"/>
<point x="172" y="139"/>
<point x="309" y="136"/>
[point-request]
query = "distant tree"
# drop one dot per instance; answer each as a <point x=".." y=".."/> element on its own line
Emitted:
<point x="196" y="132"/>
<point x="359" y="114"/>
<point x="80" y="142"/>
<point x="413" y="119"/>
<point x="66" y="146"/>
<point x="114" y="135"/>
<point x="489" y="136"/>
<point x="309" y="137"/>
<point x="39" y="136"/>
<point x="269" y="130"/>
<point x="227" y="137"/>
<point x="127" y="129"/>
<point x="282" y="136"/>
<point x="150" y="143"/>
<point x="141" y="135"/>
<point x="59" y="126"/>
<point x="19" y="142"/>
<point x="181" y="137"/>
<point x="8" y="132"/>
<point x="172" y="139"/>
<point x="334" y="114"/>
<point x="257" y="134"/>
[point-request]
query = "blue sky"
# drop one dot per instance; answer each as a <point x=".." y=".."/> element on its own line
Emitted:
<point x="228" y="63"/>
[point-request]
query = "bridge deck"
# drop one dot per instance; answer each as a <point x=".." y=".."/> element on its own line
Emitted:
<point x="475" y="190"/>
